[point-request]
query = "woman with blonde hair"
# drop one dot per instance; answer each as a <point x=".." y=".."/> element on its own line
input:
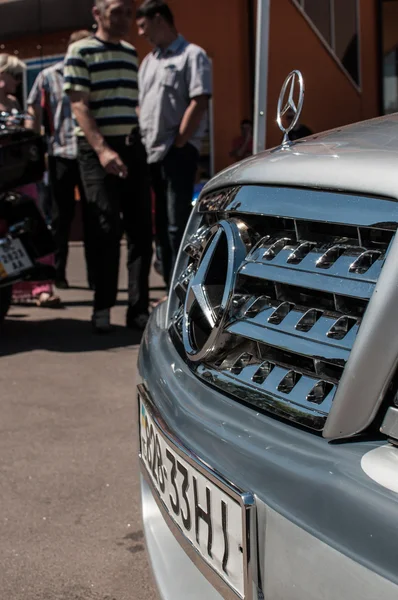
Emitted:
<point x="11" y="72"/>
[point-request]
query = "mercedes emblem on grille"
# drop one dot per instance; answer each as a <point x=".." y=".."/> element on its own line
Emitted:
<point x="294" y="82"/>
<point x="211" y="289"/>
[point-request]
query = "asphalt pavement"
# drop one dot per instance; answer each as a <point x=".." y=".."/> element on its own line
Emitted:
<point x="70" y="521"/>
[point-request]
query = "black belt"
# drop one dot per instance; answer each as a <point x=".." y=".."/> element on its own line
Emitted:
<point x="132" y="139"/>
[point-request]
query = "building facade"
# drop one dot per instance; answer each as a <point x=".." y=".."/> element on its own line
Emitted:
<point x="347" y="51"/>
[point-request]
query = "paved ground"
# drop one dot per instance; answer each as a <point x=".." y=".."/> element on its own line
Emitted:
<point x="70" y="523"/>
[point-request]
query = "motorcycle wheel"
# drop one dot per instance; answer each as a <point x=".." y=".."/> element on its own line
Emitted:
<point x="5" y="301"/>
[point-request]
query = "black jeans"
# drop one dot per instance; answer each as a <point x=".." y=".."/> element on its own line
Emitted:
<point x="115" y="206"/>
<point x="64" y="177"/>
<point x="173" y="182"/>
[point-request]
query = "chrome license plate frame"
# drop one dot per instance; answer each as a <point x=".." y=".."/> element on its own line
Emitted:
<point x="245" y="587"/>
<point x="13" y="258"/>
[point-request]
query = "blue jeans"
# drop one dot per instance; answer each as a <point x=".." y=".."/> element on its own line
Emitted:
<point x="173" y="181"/>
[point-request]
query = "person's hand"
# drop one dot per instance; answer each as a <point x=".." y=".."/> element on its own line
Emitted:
<point x="179" y="142"/>
<point x="112" y="163"/>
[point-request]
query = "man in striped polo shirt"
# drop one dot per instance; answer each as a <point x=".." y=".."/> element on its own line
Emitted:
<point x="101" y="80"/>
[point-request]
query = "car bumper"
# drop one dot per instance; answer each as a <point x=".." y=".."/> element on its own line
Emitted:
<point x="167" y="557"/>
<point x="324" y="529"/>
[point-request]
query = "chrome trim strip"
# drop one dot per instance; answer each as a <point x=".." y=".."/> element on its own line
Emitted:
<point x="316" y="205"/>
<point x="245" y="499"/>
<point x="317" y="331"/>
<point x="345" y="266"/>
<point x="290" y="342"/>
<point x="306" y="279"/>
<point x="266" y="396"/>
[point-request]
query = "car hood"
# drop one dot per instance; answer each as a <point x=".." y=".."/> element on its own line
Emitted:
<point x="359" y="158"/>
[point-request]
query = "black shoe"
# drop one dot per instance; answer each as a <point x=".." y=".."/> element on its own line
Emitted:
<point x="61" y="284"/>
<point x="136" y="320"/>
<point x="101" y="321"/>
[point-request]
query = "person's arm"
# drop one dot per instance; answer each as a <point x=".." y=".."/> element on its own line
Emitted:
<point x="109" y="159"/>
<point x="77" y="86"/>
<point x="191" y="120"/>
<point x="35" y="110"/>
<point x="198" y="76"/>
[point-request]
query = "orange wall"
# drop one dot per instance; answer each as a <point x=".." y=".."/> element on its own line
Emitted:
<point x="330" y="97"/>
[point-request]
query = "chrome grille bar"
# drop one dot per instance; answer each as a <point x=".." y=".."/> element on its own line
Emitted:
<point x="350" y="262"/>
<point x="266" y="395"/>
<point x="298" y="344"/>
<point x="307" y="279"/>
<point x="337" y="332"/>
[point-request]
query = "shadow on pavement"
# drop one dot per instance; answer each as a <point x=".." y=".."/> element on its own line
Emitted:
<point x="61" y="335"/>
<point x="69" y="303"/>
<point x="72" y="303"/>
<point x="82" y="288"/>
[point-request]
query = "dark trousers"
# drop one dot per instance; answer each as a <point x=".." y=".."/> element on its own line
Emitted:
<point x="173" y="182"/>
<point x="116" y="206"/>
<point x="64" y="178"/>
<point x="45" y="201"/>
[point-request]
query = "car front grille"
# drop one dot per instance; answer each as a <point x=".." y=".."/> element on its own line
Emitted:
<point x="308" y="264"/>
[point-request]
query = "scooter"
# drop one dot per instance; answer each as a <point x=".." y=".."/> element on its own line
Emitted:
<point x="24" y="235"/>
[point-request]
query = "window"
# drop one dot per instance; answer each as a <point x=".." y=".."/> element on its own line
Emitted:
<point x="346" y="36"/>
<point x="390" y="55"/>
<point x="337" y="23"/>
<point x="38" y="16"/>
<point x="320" y="14"/>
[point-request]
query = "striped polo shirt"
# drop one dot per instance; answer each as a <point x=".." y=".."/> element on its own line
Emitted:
<point x="108" y="73"/>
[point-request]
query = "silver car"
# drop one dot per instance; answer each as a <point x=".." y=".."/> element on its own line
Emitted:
<point x="268" y="382"/>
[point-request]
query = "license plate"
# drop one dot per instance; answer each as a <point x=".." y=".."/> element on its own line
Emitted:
<point x="13" y="258"/>
<point x="210" y="513"/>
